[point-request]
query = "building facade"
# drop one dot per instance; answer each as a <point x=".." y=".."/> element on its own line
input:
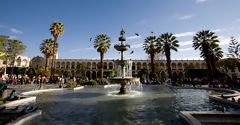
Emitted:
<point x="133" y="66"/>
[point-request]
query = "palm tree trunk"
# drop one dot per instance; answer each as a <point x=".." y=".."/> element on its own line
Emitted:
<point x="53" y="56"/>
<point x="152" y="66"/>
<point x="167" y="52"/>
<point x="47" y="63"/>
<point x="101" y="69"/>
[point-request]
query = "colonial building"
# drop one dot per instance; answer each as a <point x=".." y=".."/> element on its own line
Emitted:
<point x="20" y="61"/>
<point x="133" y="66"/>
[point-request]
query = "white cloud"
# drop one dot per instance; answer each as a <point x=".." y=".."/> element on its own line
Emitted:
<point x="185" y="43"/>
<point x="224" y="41"/>
<point x="16" y="31"/>
<point x="185" y="49"/>
<point x="200" y="1"/>
<point x="82" y="49"/>
<point x="237" y="20"/>
<point x="185" y="34"/>
<point x="12" y="37"/>
<point x="139" y="45"/>
<point x="133" y="37"/>
<point x="185" y="17"/>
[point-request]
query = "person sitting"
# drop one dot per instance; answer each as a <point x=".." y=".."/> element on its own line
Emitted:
<point x="13" y="96"/>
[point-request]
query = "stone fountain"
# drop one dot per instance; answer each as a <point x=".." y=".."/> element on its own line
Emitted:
<point x="124" y="73"/>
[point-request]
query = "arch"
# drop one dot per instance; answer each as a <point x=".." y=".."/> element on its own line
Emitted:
<point x="145" y="65"/>
<point x="24" y="63"/>
<point x="185" y="65"/>
<point x="94" y="75"/>
<point x="73" y="65"/>
<point x="174" y="67"/>
<point x="98" y="65"/>
<point x="191" y="65"/>
<point x="94" y="65"/>
<point x="63" y="65"/>
<point x="88" y="74"/>
<point x="88" y="65"/>
<point x="105" y="65"/>
<point x="67" y="65"/>
<point x="110" y="65"/>
<point x="197" y="65"/>
<point x="58" y="65"/>
<point x="138" y="66"/>
<point x="19" y="61"/>
<point x="179" y="65"/>
<point x="133" y="66"/>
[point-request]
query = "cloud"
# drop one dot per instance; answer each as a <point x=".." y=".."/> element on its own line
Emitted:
<point x="133" y="37"/>
<point x="237" y="20"/>
<point x="200" y="1"/>
<point x="224" y="41"/>
<point x="185" y="34"/>
<point x="185" y="17"/>
<point x="185" y="43"/>
<point x="139" y="45"/>
<point x="12" y="37"/>
<point x="186" y="49"/>
<point x="82" y="49"/>
<point x="16" y="31"/>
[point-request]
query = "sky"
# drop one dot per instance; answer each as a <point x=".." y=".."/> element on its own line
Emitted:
<point x="29" y="21"/>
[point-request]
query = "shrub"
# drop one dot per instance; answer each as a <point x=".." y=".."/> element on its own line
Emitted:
<point x="103" y="81"/>
<point x="71" y="84"/>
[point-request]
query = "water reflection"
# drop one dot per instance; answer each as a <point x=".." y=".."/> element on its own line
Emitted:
<point x="156" y="105"/>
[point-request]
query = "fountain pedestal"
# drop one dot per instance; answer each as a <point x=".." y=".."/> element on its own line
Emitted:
<point x="124" y="78"/>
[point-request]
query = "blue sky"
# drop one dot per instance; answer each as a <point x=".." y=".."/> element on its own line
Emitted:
<point x="29" y="21"/>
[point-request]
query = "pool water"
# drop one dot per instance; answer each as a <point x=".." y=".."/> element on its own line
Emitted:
<point x="93" y="106"/>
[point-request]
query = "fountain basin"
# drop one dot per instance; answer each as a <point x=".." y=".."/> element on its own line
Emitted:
<point x="155" y="105"/>
<point x="122" y="47"/>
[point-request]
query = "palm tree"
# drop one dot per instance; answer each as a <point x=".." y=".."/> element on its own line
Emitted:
<point x="207" y="43"/>
<point x="102" y="44"/>
<point x="150" y="46"/>
<point x="56" y="29"/>
<point x="168" y="42"/>
<point x="46" y="47"/>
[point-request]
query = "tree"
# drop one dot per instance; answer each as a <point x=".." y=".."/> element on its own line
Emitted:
<point x="102" y="44"/>
<point x="68" y="73"/>
<point x="207" y="43"/>
<point x="57" y="30"/>
<point x="81" y="68"/>
<point x="109" y="73"/>
<point x="14" y="48"/>
<point x="234" y="49"/>
<point x="151" y="47"/>
<point x="168" y="42"/>
<point x="3" y="44"/>
<point x="46" y="47"/>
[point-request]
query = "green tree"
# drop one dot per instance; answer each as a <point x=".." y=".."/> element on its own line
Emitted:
<point x="3" y="47"/>
<point x="168" y="42"/>
<point x="234" y="48"/>
<point x="109" y="73"/>
<point x="15" y="48"/>
<point x="68" y="73"/>
<point x="151" y="47"/>
<point x="57" y="30"/>
<point x="209" y="48"/>
<point x="81" y="68"/>
<point x="46" y="47"/>
<point x="102" y="44"/>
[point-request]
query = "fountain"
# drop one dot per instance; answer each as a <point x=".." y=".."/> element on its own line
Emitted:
<point x="124" y="77"/>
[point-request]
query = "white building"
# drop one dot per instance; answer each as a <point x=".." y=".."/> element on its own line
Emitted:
<point x="133" y="66"/>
